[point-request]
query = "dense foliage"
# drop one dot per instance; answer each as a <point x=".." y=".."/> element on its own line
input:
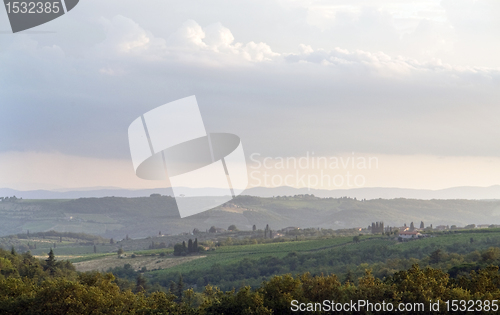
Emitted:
<point x="32" y="286"/>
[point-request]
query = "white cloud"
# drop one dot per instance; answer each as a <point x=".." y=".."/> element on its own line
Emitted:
<point x="215" y="45"/>
<point x="212" y="45"/>
<point x="190" y="35"/>
<point x="124" y="36"/>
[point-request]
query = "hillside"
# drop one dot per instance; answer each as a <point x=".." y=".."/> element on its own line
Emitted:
<point x="116" y="217"/>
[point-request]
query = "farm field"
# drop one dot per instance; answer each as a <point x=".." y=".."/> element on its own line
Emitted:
<point x="226" y="255"/>
<point x="137" y="263"/>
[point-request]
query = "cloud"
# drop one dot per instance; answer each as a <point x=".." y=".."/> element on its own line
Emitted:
<point x="212" y="45"/>
<point x="386" y="77"/>
<point x="280" y="103"/>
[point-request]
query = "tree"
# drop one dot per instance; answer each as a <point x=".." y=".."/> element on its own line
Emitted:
<point x="190" y="246"/>
<point x="111" y="241"/>
<point x="412" y="227"/>
<point x="172" y="287"/>
<point x="126" y="237"/>
<point x="178" y="250"/>
<point x="51" y="263"/>
<point x="422" y="226"/>
<point x="355" y="239"/>
<point x="491" y="254"/>
<point x="120" y="251"/>
<point x="232" y="227"/>
<point x="195" y="245"/>
<point x="213" y="229"/>
<point x="436" y="256"/>
<point x="184" y="248"/>
<point x="196" y="231"/>
<point x="180" y="288"/>
<point x="349" y="277"/>
<point x="95" y="249"/>
<point x="140" y="284"/>
<point x="254" y="228"/>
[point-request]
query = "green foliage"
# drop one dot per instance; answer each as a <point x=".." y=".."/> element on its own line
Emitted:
<point x="23" y="291"/>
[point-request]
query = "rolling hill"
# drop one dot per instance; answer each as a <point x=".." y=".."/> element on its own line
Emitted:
<point x="145" y="216"/>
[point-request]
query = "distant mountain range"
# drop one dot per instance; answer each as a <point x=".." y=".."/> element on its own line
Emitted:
<point x="492" y="192"/>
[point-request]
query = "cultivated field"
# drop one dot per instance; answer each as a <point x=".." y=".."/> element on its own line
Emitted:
<point x="137" y="263"/>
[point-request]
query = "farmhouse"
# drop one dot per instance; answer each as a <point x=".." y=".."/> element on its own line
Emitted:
<point x="482" y="226"/>
<point x="290" y="228"/>
<point x="409" y="235"/>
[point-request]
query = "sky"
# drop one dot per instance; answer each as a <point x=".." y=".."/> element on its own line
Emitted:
<point x="414" y="84"/>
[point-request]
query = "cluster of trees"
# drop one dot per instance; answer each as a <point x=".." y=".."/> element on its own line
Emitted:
<point x="192" y="247"/>
<point x="13" y="265"/>
<point x="32" y="286"/>
<point x="214" y="229"/>
<point x="9" y="199"/>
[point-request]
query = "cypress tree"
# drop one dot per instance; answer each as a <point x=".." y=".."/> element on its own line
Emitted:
<point x="140" y="285"/>
<point x="51" y="263"/>
<point x="180" y="288"/>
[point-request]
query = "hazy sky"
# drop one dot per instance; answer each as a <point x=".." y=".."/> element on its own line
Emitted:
<point x="414" y="83"/>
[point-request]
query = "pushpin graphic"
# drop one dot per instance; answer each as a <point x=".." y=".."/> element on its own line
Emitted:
<point x="170" y="142"/>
